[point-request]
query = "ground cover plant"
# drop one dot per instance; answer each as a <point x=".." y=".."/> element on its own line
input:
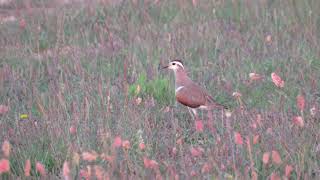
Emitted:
<point x="81" y="96"/>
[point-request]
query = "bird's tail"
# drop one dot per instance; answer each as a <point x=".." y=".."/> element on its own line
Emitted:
<point x="217" y="106"/>
<point x="214" y="105"/>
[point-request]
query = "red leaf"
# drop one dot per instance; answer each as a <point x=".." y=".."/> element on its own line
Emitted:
<point x="238" y="138"/>
<point x="6" y="148"/>
<point x="277" y="80"/>
<point x="99" y="172"/>
<point x="27" y="168"/>
<point x="276" y="157"/>
<point x="275" y="176"/>
<point x="66" y="170"/>
<point x="108" y="158"/>
<point x="256" y="139"/>
<point x="194" y="3"/>
<point x="4" y="166"/>
<point x="254" y="175"/>
<point x="300" y="102"/>
<point x="40" y="169"/>
<point x="288" y="170"/>
<point x="259" y="120"/>
<point x="199" y="126"/>
<point x="255" y="76"/>
<point x="22" y="23"/>
<point x="89" y="156"/>
<point x="266" y="157"/>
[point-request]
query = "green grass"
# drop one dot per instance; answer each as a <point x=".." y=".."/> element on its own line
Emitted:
<point x="81" y="66"/>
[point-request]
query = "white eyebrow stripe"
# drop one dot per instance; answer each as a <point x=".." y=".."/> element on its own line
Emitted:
<point x="179" y="88"/>
<point x="179" y="64"/>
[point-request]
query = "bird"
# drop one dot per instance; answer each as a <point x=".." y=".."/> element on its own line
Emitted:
<point x="189" y="93"/>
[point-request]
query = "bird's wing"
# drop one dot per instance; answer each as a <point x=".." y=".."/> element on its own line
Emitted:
<point x="210" y="102"/>
<point x="191" y="96"/>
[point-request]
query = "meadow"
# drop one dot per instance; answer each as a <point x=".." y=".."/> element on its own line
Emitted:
<point x="81" y="96"/>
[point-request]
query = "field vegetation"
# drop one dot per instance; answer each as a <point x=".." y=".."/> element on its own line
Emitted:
<point x="81" y="96"/>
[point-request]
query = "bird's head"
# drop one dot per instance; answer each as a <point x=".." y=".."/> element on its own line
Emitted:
<point x="174" y="65"/>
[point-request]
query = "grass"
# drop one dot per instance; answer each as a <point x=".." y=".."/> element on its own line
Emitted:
<point x="85" y="74"/>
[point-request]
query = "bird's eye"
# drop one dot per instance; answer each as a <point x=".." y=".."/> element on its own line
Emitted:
<point x="173" y="63"/>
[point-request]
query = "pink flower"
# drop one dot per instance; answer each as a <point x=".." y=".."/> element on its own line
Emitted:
<point x="180" y="141"/>
<point x="126" y="144"/>
<point x="150" y="164"/>
<point x="196" y="151"/>
<point x="98" y="172"/>
<point x="66" y="170"/>
<point x="142" y="146"/>
<point x="194" y="3"/>
<point x="193" y="173"/>
<point x="41" y="169"/>
<point x="277" y="80"/>
<point x="89" y="156"/>
<point x="108" y="158"/>
<point x="85" y="174"/>
<point x="4" y="166"/>
<point x="238" y="138"/>
<point x="206" y="168"/>
<point x="3" y="109"/>
<point x="298" y="120"/>
<point x="254" y="125"/>
<point x="199" y="126"/>
<point x="73" y="130"/>
<point x="174" y="151"/>
<point x="117" y="142"/>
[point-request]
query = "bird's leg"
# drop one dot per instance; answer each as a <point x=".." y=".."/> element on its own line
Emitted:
<point x="190" y="112"/>
<point x="193" y="113"/>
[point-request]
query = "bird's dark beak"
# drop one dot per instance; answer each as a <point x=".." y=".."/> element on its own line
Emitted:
<point x="162" y="67"/>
